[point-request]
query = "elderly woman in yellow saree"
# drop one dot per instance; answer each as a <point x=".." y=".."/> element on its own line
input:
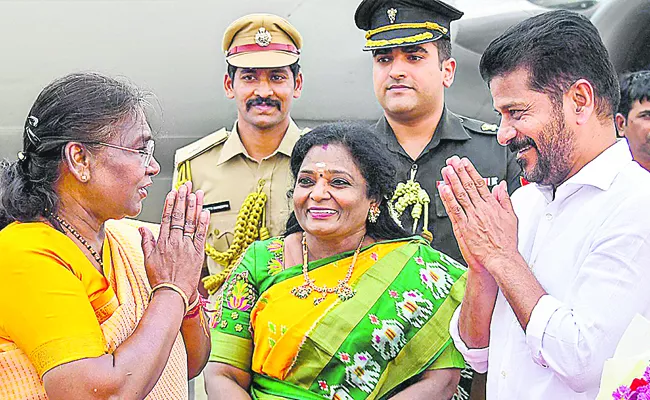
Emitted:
<point x="346" y="305"/>
<point x="92" y="308"/>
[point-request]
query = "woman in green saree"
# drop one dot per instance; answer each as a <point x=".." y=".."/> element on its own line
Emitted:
<point x="346" y="305"/>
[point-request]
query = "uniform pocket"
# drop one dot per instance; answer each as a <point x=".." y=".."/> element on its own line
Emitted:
<point x="440" y="207"/>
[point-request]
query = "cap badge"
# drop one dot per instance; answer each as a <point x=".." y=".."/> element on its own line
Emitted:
<point x="392" y="13"/>
<point x="263" y="37"/>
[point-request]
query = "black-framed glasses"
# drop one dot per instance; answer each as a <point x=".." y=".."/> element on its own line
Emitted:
<point x="147" y="153"/>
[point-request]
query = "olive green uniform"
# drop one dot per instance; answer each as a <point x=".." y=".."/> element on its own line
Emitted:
<point x="454" y="135"/>
<point x="219" y="165"/>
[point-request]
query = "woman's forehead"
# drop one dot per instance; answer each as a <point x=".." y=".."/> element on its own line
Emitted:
<point x="133" y="128"/>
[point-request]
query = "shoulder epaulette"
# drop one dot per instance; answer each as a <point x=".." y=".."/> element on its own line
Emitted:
<point x="200" y="146"/>
<point x="475" y="125"/>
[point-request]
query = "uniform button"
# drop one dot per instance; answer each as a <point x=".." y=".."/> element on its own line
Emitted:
<point x="549" y="216"/>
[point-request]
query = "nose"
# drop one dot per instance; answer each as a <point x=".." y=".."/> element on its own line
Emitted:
<point x="397" y="69"/>
<point x="263" y="89"/>
<point x="153" y="168"/>
<point x="320" y="191"/>
<point x="505" y="133"/>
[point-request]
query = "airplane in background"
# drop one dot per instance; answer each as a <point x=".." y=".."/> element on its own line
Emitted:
<point x="172" y="48"/>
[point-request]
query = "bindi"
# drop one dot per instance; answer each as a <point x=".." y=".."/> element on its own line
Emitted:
<point x="320" y="168"/>
<point x="325" y="146"/>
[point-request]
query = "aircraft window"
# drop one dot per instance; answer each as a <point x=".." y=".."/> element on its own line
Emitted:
<point x="566" y="4"/>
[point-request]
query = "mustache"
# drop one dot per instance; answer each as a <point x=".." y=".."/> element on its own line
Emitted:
<point x="260" y="101"/>
<point x="517" y="144"/>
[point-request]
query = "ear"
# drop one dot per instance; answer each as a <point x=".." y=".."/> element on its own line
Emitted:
<point x="582" y="100"/>
<point x="77" y="158"/>
<point x="621" y="124"/>
<point x="228" y="86"/>
<point x="297" y="90"/>
<point x="448" y="71"/>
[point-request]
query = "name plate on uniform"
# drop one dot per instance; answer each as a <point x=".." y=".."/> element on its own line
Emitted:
<point x="217" y="207"/>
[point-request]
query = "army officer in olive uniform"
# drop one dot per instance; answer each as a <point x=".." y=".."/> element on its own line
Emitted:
<point x="410" y="43"/>
<point x="245" y="172"/>
<point x="412" y="65"/>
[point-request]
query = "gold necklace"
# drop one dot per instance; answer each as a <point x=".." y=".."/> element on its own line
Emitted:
<point x="80" y="238"/>
<point x="342" y="289"/>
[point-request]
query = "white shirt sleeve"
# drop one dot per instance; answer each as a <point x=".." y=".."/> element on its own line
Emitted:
<point x="476" y="358"/>
<point x="575" y="337"/>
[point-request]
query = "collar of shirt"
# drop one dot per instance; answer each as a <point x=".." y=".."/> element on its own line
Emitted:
<point x="449" y="128"/>
<point x="599" y="172"/>
<point x="234" y="146"/>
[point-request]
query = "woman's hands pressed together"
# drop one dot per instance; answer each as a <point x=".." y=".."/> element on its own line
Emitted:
<point x="176" y="257"/>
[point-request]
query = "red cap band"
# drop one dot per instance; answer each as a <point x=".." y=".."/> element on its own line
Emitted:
<point x="255" y="47"/>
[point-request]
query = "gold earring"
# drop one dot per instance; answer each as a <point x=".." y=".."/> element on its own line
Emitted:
<point x="373" y="213"/>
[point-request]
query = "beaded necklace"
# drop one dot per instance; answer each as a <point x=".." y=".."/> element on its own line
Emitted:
<point x="80" y="238"/>
<point x="343" y="290"/>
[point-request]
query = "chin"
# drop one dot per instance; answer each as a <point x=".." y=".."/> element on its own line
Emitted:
<point x="321" y="231"/>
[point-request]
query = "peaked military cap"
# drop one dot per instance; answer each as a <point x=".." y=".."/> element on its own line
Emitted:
<point x="393" y="23"/>
<point x="261" y="41"/>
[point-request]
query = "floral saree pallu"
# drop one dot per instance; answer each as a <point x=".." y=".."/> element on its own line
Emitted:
<point x="393" y="328"/>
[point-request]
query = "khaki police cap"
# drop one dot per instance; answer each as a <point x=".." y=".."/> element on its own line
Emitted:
<point x="261" y="41"/>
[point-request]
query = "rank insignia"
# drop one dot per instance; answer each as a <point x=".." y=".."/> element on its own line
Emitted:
<point x="489" y="127"/>
<point x="263" y="37"/>
<point x="392" y="14"/>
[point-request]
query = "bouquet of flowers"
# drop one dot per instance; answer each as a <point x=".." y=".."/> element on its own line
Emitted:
<point x="626" y="376"/>
<point x="639" y="389"/>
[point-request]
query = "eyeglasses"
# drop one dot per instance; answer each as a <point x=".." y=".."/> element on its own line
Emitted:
<point x="147" y="153"/>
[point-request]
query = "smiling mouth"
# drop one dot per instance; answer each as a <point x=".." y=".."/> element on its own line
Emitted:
<point x="321" y="213"/>
<point x="522" y="151"/>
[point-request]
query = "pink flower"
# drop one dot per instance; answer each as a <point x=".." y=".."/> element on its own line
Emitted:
<point x="419" y="260"/>
<point x="377" y="339"/>
<point x="373" y="319"/>
<point x="393" y="294"/>
<point x="345" y="357"/>
<point x="362" y="357"/>
<point x="323" y="385"/>
<point x="374" y="256"/>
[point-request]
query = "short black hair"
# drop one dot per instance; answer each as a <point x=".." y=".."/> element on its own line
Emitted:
<point x="443" y="45"/>
<point x="372" y="159"/>
<point x="635" y="86"/>
<point x="557" y="48"/>
<point x="295" y="70"/>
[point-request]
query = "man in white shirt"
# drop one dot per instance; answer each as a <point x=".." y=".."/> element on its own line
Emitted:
<point x="556" y="275"/>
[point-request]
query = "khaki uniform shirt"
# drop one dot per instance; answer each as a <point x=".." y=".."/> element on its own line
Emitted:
<point x="454" y="135"/>
<point x="227" y="174"/>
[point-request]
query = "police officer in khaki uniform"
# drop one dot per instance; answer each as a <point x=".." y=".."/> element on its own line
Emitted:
<point x="245" y="172"/>
<point x="412" y="65"/>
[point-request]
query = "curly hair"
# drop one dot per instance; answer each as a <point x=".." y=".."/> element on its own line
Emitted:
<point x="81" y="107"/>
<point x="373" y="162"/>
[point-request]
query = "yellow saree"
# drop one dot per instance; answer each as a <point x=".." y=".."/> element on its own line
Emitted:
<point x="35" y="281"/>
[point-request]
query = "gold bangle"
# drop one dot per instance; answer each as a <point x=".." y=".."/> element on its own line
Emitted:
<point x="175" y="289"/>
